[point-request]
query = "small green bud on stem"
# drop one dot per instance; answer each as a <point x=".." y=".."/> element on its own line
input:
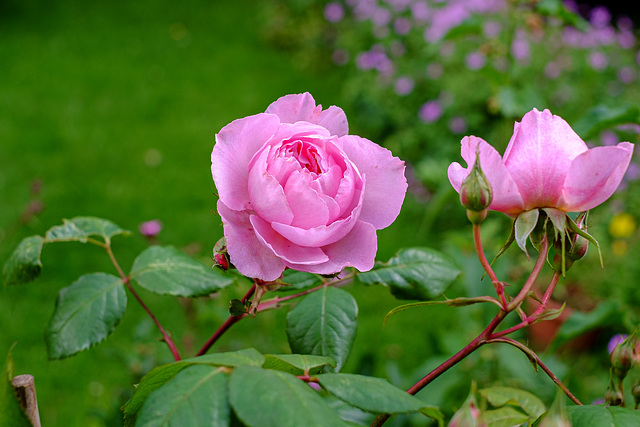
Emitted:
<point x="475" y="193"/>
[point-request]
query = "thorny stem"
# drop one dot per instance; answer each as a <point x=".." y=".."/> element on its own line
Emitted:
<point x="227" y="324"/>
<point x="266" y="305"/>
<point x="487" y="266"/>
<point x="125" y="279"/>
<point x="488" y="335"/>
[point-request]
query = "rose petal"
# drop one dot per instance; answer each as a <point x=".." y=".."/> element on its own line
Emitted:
<point x="594" y="176"/>
<point x="506" y="197"/>
<point x="250" y="257"/>
<point x="322" y="235"/>
<point x="302" y="107"/>
<point x="265" y="192"/>
<point x="288" y="252"/>
<point x="235" y="145"/>
<point x="357" y="249"/>
<point x="539" y="155"/>
<point x="386" y="184"/>
<point x="309" y="209"/>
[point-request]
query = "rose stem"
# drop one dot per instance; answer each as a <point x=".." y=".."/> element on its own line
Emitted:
<point x="487" y="266"/>
<point x="484" y="336"/>
<point x="125" y="279"/>
<point x="227" y="324"/>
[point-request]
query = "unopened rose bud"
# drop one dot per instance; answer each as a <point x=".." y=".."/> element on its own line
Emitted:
<point x="613" y="396"/>
<point x="579" y="244"/>
<point x="623" y="357"/>
<point x="468" y="415"/>
<point x="475" y="192"/>
<point x="220" y="255"/>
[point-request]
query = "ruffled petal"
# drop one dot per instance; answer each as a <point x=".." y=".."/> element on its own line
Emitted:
<point x="539" y="155"/>
<point x="506" y="197"/>
<point x="235" y="146"/>
<point x="302" y="107"/>
<point x="386" y="184"/>
<point x="322" y="235"/>
<point x="287" y="251"/>
<point x="594" y="176"/>
<point x="357" y="249"/>
<point x="265" y="192"/>
<point x="309" y="209"/>
<point x="250" y="257"/>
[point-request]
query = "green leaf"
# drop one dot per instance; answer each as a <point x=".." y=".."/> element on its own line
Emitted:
<point x="78" y="229"/>
<point x="602" y="117"/>
<point x="298" y="364"/>
<point x="155" y="379"/>
<point x="598" y="416"/>
<point x="85" y="314"/>
<point x="165" y="270"/>
<point x="196" y="396"/>
<point x="160" y="375"/>
<point x="268" y="398"/>
<point x="24" y="264"/>
<point x="370" y="394"/>
<point x="415" y="273"/>
<point x="501" y="396"/>
<point x="456" y="302"/>
<point x="324" y="323"/>
<point x="11" y="413"/>
<point x="434" y="413"/>
<point x="607" y="313"/>
<point x="248" y="356"/>
<point x="504" y="417"/>
<point x="299" y="280"/>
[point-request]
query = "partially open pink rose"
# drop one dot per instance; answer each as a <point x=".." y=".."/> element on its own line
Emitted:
<point x="545" y="165"/>
<point x="296" y="191"/>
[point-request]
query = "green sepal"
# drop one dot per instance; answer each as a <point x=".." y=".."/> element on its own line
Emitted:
<point x="524" y="225"/>
<point x="456" y="302"/>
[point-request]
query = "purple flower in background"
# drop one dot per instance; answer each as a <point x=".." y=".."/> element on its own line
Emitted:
<point x="633" y="172"/>
<point x="552" y="70"/>
<point x="458" y="125"/>
<point x="599" y="17"/>
<point x="626" y="75"/>
<point x="150" y="228"/>
<point x="491" y="29"/>
<point x="475" y="60"/>
<point x="609" y="138"/>
<point x="402" y="26"/>
<point x="520" y="48"/>
<point x="420" y="11"/>
<point x="430" y="111"/>
<point x="381" y="17"/>
<point x="598" y="60"/>
<point x="614" y="341"/>
<point x="404" y="85"/>
<point x="334" y="12"/>
<point x="444" y="19"/>
<point x="626" y="39"/>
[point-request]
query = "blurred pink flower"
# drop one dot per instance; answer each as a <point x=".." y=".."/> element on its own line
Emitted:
<point x="614" y="341"/>
<point x="150" y="228"/>
<point x="545" y="165"/>
<point x="475" y="61"/>
<point x="334" y="12"/>
<point x="430" y="111"/>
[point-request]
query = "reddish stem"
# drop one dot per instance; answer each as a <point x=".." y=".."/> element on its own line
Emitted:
<point x="125" y="279"/>
<point x="227" y="324"/>
<point x="487" y="266"/>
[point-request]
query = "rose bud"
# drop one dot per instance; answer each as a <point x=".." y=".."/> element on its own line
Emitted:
<point x="220" y="255"/>
<point x="475" y="193"/>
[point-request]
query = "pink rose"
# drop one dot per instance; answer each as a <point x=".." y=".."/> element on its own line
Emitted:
<point x="296" y="191"/>
<point x="545" y="165"/>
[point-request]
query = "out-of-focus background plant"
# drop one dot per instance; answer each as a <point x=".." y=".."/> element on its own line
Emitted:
<point x="110" y="110"/>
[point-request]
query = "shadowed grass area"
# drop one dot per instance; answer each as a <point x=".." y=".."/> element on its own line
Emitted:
<point x="110" y="108"/>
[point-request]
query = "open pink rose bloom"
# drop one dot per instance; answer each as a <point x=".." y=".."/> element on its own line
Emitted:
<point x="545" y="165"/>
<point x="296" y="191"/>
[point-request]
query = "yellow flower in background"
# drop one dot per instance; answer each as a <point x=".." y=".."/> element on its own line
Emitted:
<point x="622" y="226"/>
